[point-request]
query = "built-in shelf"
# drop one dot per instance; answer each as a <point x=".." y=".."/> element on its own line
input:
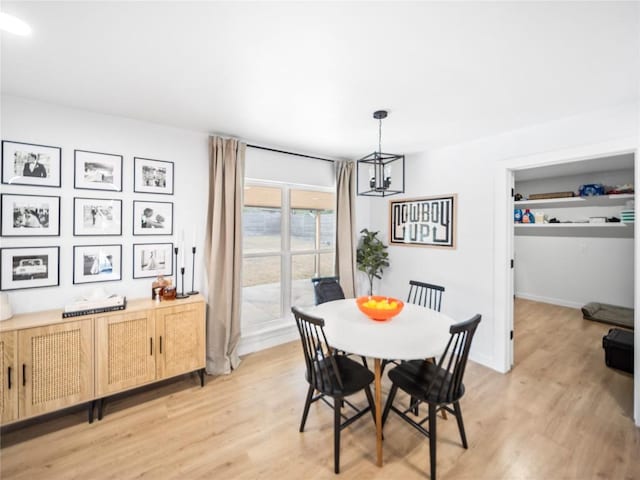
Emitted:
<point x="576" y="229"/>
<point x="574" y="225"/>
<point x="610" y="230"/>
<point x="597" y="201"/>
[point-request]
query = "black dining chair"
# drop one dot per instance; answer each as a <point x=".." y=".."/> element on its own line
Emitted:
<point x="332" y="375"/>
<point x="425" y="294"/>
<point x="327" y="289"/>
<point x="438" y="384"/>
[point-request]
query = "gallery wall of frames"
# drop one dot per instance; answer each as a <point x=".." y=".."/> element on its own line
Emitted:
<point x="96" y="203"/>
<point x="29" y="215"/>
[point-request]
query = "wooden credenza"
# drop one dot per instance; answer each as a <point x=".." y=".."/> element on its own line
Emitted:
<point x="48" y="363"/>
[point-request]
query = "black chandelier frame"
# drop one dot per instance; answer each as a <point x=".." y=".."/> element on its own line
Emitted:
<point x="381" y="183"/>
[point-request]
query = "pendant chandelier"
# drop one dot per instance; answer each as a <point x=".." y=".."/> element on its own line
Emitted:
<point x="380" y="174"/>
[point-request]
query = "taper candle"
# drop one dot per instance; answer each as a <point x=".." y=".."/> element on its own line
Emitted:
<point x="182" y="248"/>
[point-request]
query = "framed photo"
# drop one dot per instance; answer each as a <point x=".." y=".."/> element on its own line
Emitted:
<point x="97" y="216"/>
<point x="30" y="215"/>
<point x="152" y="218"/>
<point x="29" y="267"/>
<point x="424" y="222"/>
<point x="152" y="259"/>
<point x="152" y="176"/>
<point x="97" y="263"/>
<point x="30" y="164"/>
<point x="97" y="171"/>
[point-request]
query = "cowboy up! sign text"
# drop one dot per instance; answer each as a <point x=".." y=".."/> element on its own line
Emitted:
<point x="426" y="222"/>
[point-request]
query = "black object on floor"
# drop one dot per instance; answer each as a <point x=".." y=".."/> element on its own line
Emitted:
<point x="618" y="349"/>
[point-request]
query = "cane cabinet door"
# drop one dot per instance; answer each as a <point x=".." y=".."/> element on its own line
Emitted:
<point x="126" y="351"/>
<point x="8" y="372"/>
<point x="181" y="339"/>
<point x="56" y="366"/>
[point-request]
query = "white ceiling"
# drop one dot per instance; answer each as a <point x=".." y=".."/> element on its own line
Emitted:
<point x="306" y="76"/>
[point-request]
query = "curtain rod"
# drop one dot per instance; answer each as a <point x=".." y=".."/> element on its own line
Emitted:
<point x="289" y="153"/>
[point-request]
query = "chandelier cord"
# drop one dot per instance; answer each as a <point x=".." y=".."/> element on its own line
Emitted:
<point x="380" y="135"/>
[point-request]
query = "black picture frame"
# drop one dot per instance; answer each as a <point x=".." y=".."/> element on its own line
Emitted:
<point x="103" y="163"/>
<point x="424" y="221"/>
<point x="33" y="217"/>
<point x="16" y="155"/>
<point x="140" y="208"/>
<point x="102" y="268"/>
<point x="138" y="258"/>
<point x="10" y="278"/>
<point x="103" y="227"/>
<point x="147" y="171"/>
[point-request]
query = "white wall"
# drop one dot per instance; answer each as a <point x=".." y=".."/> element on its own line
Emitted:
<point x="572" y="271"/>
<point x="475" y="171"/>
<point x="466" y="272"/>
<point x="30" y="121"/>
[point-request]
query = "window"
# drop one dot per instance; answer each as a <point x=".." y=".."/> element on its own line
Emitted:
<point x="312" y="240"/>
<point x="288" y="238"/>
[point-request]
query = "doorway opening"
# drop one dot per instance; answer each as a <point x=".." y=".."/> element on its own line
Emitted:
<point x="504" y="245"/>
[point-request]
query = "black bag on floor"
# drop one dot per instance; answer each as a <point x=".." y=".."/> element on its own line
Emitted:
<point x="618" y="349"/>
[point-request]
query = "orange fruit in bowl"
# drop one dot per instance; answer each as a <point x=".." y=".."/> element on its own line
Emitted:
<point x="378" y="307"/>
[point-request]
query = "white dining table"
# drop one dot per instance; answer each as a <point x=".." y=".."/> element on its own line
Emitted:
<point x="416" y="332"/>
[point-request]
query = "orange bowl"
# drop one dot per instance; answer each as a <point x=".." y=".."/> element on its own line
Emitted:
<point x="379" y="314"/>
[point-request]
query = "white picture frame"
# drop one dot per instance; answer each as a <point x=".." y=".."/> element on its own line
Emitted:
<point x="152" y="259"/>
<point x="30" y="215"/>
<point x="29" y="267"/>
<point x="97" y="263"/>
<point x="97" y="217"/>
<point x="97" y="171"/>
<point x="152" y="218"/>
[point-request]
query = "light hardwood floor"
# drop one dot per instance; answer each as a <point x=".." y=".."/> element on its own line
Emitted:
<point x="560" y="414"/>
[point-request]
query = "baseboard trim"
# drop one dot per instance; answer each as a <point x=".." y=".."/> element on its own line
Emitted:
<point x="553" y="301"/>
<point x="262" y="340"/>
<point x="484" y="360"/>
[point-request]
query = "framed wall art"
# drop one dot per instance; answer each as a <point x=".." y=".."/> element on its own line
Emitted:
<point x="152" y="259"/>
<point x="97" y="263"/>
<point x="29" y="267"/>
<point x="30" y="215"/>
<point x="97" y="171"/>
<point x="97" y="216"/>
<point x="152" y="218"/>
<point x="424" y="222"/>
<point x="30" y="164"/>
<point x="152" y="176"/>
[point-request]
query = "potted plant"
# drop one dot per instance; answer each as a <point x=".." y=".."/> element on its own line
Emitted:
<point x="371" y="256"/>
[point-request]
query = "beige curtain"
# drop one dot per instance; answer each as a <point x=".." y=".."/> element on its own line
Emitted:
<point x="223" y="253"/>
<point x="345" y="225"/>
